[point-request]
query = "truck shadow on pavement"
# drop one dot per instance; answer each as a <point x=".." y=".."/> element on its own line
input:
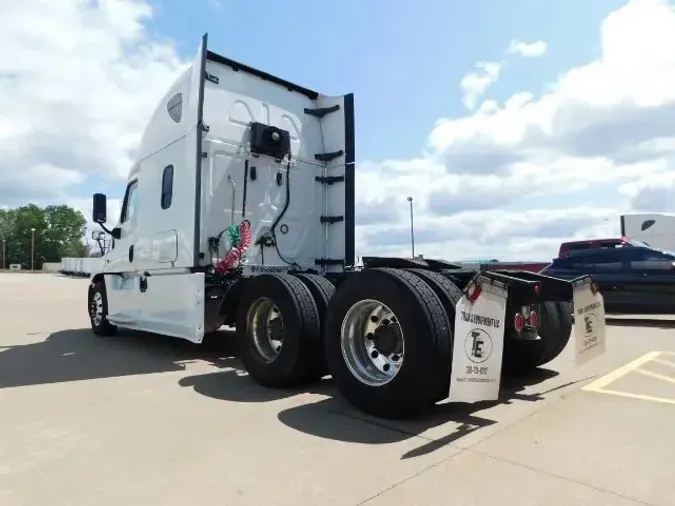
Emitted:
<point x="74" y="355"/>
<point x="333" y="418"/>
<point x="317" y="410"/>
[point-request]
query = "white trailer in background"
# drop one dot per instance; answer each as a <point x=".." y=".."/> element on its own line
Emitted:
<point x="80" y="267"/>
<point x="65" y="266"/>
<point x="655" y="229"/>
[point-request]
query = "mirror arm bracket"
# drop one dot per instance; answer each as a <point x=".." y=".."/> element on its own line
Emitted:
<point x="105" y="229"/>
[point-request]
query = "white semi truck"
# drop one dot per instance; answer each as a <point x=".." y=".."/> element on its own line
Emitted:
<point x="240" y="211"/>
<point x="657" y="230"/>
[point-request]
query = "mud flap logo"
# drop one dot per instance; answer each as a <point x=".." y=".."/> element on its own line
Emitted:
<point x="479" y="344"/>
<point x="589" y="322"/>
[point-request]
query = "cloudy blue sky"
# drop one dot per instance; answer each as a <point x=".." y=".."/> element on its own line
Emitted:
<point x="515" y="125"/>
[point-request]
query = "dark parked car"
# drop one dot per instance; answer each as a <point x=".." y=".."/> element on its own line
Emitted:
<point x="631" y="280"/>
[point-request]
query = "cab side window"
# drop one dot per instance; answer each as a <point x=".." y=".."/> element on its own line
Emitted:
<point x="129" y="205"/>
<point x="167" y="187"/>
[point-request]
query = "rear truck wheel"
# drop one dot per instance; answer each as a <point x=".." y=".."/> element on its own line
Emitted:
<point x="449" y="295"/>
<point x="98" y="310"/>
<point x="554" y="329"/>
<point x="278" y="326"/>
<point x="322" y="291"/>
<point x="388" y="341"/>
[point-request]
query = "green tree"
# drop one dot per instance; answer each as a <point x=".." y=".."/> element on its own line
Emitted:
<point x="57" y="231"/>
<point x="65" y="229"/>
<point x="7" y="219"/>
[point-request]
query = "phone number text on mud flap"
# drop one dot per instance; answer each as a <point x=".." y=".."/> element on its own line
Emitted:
<point x="590" y="343"/>
<point x="474" y="369"/>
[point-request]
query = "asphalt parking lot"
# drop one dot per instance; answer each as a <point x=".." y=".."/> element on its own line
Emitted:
<point x="143" y="420"/>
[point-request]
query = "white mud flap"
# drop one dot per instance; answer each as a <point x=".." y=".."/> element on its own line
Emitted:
<point x="589" y="321"/>
<point x="478" y="342"/>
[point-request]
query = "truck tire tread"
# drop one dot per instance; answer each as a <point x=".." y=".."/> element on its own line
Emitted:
<point x="449" y="295"/>
<point x="322" y="291"/>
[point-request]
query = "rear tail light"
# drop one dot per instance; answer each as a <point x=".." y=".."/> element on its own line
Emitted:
<point x="518" y="322"/>
<point x="534" y="319"/>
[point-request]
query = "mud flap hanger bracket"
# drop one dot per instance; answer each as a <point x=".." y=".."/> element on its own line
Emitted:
<point x="529" y="287"/>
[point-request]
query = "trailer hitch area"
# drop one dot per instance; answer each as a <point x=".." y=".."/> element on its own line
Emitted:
<point x="521" y="307"/>
<point x="526" y="290"/>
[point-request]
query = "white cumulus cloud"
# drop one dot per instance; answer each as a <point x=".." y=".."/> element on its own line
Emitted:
<point x="78" y="80"/>
<point x="496" y="182"/>
<point x="476" y="83"/>
<point x="510" y="179"/>
<point x="527" y="50"/>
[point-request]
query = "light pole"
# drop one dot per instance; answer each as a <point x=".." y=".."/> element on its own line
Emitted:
<point x="32" y="249"/>
<point x="4" y="263"/>
<point x="412" y="227"/>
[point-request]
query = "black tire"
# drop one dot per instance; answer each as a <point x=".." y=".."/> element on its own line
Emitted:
<point x="322" y="291"/>
<point x="103" y="327"/>
<point x="443" y="287"/>
<point x="555" y="329"/>
<point x="295" y="364"/>
<point x="449" y="295"/>
<point x="566" y="321"/>
<point x="427" y="331"/>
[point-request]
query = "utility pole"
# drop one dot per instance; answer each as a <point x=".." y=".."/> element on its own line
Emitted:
<point x="4" y="262"/>
<point x="32" y="249"/>
<point x="412" y="227"/>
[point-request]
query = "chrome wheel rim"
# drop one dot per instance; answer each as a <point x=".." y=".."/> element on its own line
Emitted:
<point x="265" y="327"/>
<point x="97" y="308"/>
<point x="372" y="342"/>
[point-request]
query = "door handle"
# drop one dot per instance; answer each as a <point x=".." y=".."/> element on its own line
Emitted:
<point x="131" y="253"/>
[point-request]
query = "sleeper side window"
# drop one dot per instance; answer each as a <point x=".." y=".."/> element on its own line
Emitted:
<point x="167" y="187"/>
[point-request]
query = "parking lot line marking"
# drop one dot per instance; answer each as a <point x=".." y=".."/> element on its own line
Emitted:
<point x="656" y="375"/>
<point x="664" y="362"/>
<point x="605" y="380"/>
<point x="651" y="398"/>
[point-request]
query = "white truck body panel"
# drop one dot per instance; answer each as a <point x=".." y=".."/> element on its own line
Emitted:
<point x="200" y="129"/>
<point x="229" y="107"/>
<point x="655" y="229"/>
<point x="176" y="307"/>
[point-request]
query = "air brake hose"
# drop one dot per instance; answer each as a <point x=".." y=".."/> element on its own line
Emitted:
<point x="242" y="236"/>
